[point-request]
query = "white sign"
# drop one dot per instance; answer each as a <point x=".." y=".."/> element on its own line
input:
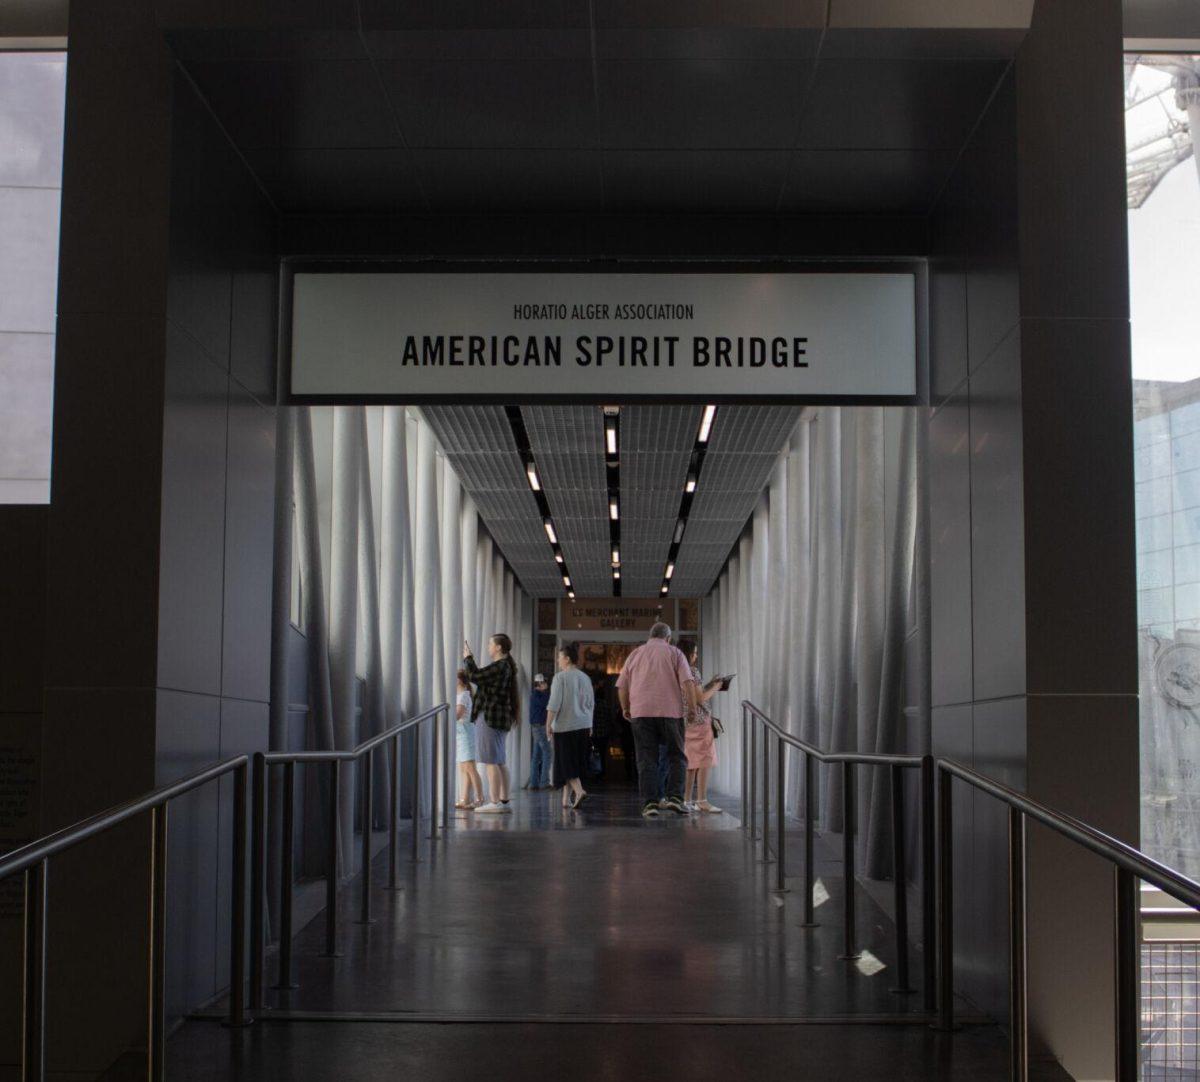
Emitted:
<point x="411" y="336"/>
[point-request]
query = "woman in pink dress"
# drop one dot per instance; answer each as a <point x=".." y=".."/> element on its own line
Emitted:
<point x="699" y="740"/>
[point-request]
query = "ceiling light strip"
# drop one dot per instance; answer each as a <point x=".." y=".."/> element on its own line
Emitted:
<point x="521" y="438"/>
<point x="612" y="470"/>
<point x="690" y="485"/>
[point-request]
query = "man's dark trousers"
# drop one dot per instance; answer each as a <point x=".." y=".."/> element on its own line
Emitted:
<point x="648" y="733"/>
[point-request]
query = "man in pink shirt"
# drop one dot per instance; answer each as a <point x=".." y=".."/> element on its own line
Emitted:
<point x="656" y="687"/>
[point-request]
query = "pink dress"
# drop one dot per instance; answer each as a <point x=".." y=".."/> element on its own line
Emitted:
<point x="698" y="738"/>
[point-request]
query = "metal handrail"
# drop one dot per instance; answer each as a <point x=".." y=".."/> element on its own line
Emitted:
<point x="1129" y="865"/>
<point x="848" y="761"/>
<point x="263" y="761"/>
<point x="34" y="860"/>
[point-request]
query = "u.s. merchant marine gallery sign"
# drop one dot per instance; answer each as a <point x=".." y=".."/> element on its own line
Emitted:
<point x="412" y="336"/>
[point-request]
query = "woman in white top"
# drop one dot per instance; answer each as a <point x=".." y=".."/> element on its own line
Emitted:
<point x="469" y="781"/>
<point x="569" y="719"/>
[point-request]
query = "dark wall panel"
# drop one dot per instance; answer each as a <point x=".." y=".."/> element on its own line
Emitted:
<point x="193" y="517"/>
<point x="218" y="467"/>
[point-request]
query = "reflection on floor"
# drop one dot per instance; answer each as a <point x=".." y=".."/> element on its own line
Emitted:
<point x="596" y="913"/>
<point x="587" y="922"/>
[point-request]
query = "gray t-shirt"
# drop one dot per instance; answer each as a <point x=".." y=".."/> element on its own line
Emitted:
<point x="571" y="701"/>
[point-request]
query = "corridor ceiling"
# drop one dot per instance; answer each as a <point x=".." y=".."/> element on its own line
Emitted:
<point x="754" y="106"/>
<point x="655" y="447"/>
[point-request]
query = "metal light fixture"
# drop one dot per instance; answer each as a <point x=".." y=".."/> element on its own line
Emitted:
<point x="531" y="473"/>
<point x="706" y="423"/>
<point x="613" y="511"/>
<point x="550" y="532"/>
<point x="670" y="571"/>
<point x="691" y="484"/>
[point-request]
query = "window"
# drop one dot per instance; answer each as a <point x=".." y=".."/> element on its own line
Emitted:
<point x="1162" y="122"/>
<point x="32" y="95"/>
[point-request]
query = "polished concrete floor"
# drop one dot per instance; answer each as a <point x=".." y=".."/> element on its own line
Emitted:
<point x="593" y="945"/>
<point x="596" y="914"/>
<point x="520" y="1052"/>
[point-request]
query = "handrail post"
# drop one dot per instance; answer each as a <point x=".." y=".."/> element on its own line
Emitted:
<point x="447" y="765"/>
<point x="393" y="811"/>
<point x="33" y="999"/>
<point x="237" y="936"/>
<point x="416" y="792"/>
<point x="156" y="1044"/>
<point x="331" y="873"/>
<point x="766" y="796"/>
<point x="745" y="763"/>
<point x="433" y="778"/>
<point x="928" y="890"/>
<point x="258" y="830"/>
<point x="366" y="771"/>
<point x="780" y="826"/>
<point x="287" y="876"/>
<point x="945" y="914"/>
<point x="1127" y="976"/>
<point x="810" y="815"/>
<point x="848" y="809"/>
<point x="753" y="772"/>
<point x="900" y="880"/>
<point x="1018" y="988"/>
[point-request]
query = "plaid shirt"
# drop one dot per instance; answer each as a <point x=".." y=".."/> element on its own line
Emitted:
<point x="493" y="691"/>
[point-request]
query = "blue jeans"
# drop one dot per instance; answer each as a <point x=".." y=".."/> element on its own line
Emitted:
<point x="539" y="758"/>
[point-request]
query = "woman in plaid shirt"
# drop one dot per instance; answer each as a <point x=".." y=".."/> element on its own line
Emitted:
<point x="496" y="702"/>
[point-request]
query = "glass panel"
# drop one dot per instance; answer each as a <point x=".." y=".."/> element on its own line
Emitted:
<point x="32" y="93"/>
<point x="1164" y="267"/>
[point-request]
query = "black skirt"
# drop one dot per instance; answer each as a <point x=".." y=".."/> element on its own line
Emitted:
<point x="570" y="755"/>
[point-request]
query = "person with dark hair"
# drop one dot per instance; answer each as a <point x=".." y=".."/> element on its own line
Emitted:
<point x="699" y="737"/>
<point x="539" y="750"/>
<point x="469" y="781"/>
<point x="569" y="720"/>
<point x="496" y="712"/>
<point x="657" y="688"/>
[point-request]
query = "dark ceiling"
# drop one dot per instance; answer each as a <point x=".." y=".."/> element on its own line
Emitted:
<point x="566" y="105"/>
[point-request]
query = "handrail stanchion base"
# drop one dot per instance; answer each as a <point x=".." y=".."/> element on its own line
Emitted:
<point x="810" y="817"/>
<point x="1018" y="986"/>
<point x="1127" y="966"/>
<point x="900" y="882"/>
<point x="780" y="825"/>
<point x="945" y="909"/>
<point x="287" y="875"/>
<point x="33" y="999"/>
<point x="365" y="781"/>
<point x="333" y="828"/>
<point x="849" y="918"/>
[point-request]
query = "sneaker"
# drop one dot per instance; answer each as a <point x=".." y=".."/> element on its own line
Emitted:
<point x="650" y="810"/>
<point x="691" y="806"/>
<point x="663" y="804"/>
<point x="504" y="808"/>
<point x="709" y="809"/>
<point x="675" y="805"/>
<point x="492" y="807"/>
